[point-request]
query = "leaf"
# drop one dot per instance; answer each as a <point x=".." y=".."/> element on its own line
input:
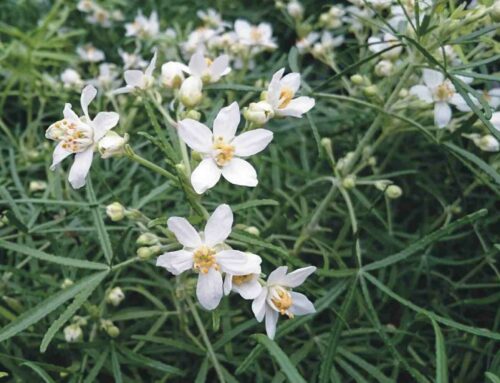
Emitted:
<point x="254" y="203"/>
<point x="237" y="87"/>
<point x="447" y="322"/>
<point x="80" y="299"/>
<point x="441" y="360"/>
<point x="40" y="371"/>
<point x="44" y="308"/>
<point x="280" y="357"/>
<point x="115" y="364"/>
<point x="492" y="377"/>
<point x="38" y="254"/>
<point x="423" y="242"/>
<point x="293" y="59"/>
<point x="144" y="361"/>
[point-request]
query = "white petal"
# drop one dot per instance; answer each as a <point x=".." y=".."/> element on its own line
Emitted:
<point x="277" y="276"/>
<point x="103" y="122"/>
<point x="80" y="168"/>
<point x="494" y="95"/>
<point x="219" y="67"/>
<point x="69" y="114"/>
<point x="228" y="284"/>
<point x="133" y="78"/>
<point x="375" y="44"/>
<point x="185" y="233"/>
<point x="197" y="64"/>
<point x="176" y="261"/>
<point x="301" y="305"/>
<point x="442" y="114"/>
<point x="297" y="277"/>
<point x="205" y="176"/>
<point x="152" y="64"/>
<point x="292" y="81"/>
<point x="422" y="92"/>
<point x="240" y="172"/>
<point x="226" y="122"/>
<point x="196" y="135"/>
<point x="297" y="107"/>
<point x="219" y="225"/>
<point x="252" y="142"/>
<point x="274" y="89"/>
<point x="248" y="290"/>
<point x="209" y="289"/>
<point x="58" y="155"/>
<point x="432" y="78"/>
<point x="123" y="89"/>
<point x="88" y="94"/>
<point x="495" y="120"/>
<point x="233" y="262"/>
<point x="460" y="103"/>
<point x="271" y="320"/>
<point x="259" y="305"/>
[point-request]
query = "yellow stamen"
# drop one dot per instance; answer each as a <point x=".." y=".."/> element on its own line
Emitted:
<point x="283" y="301"/>
<point x="225" y="152"/>
<point x="256" y="34"/>
<point x="286" y="95"/>
<point x="444" y="91"/>
<point x="204" y="259"/>
<point x="240" y="279"/>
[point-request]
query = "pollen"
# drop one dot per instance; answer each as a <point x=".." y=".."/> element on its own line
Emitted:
<point x="204" y="259"/>
<point x="444" y="91"/>
<point x="286" y="95"/>
<point x="256" y="34"/>
<point x="224" y="151"/>
<point x="282" y="300"/>
<point x="240" y="279"/>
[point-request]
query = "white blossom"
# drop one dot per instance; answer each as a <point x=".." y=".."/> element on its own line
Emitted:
<point x="255" y="35"/>
<point x="137" y="79"/>
<point x="377" y="44"/>
<point x="247" y="286"/>
<point x="132" y="60"/>
<point x="89" y="53"/>
<point x="143" y="27"/>
<point x="207" y="70"/>
<point x="191" y="91"/>
<point x="112" y="145"/>
<point x="71" y="78"/>
<point x="172" y="74"/>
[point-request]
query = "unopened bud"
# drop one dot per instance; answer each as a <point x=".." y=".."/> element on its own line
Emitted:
<point x="495" y="11"/>
<point x="393" y="192"/>
<point x="115" y="296"/>
<point x="36" y="186"/>
<point x="253" y="230"/>
<point x="295" y="9"/>
<point x="382" y="184"/>
<point x="357" y="79"/>
<point x="112" y="145"/>
<point x="370" y="91"/>
<point x="191" y="93"/>
<point x="258" y="113"/>
<point x="145" y="253"/>
<point x="384" y="68"/>
<point x="115" y="211"/>
<point x="349" y="182"/>
<point x="193" y="115"/>
<point x="147" y="239"/>
<point x="73" y="333"/>
<point x="66" y="283"/>
<point x="172" y="74"/>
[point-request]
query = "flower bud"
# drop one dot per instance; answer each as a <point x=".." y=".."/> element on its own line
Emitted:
<point x="384" y="68"/>
<point x="112" y="145"/>
<point x="80" y="321"/>
<point x="258" y="112"/>
<point x="326" y="143"/>
<point x="190" y="93"/>
<point x="36" y="186"/>
<point x="115" y="211"/>
<point x="115" y="296"/>
<point x="145" y="253"/>
<point x="133" y="214"/>
<point x="73" y="333"/>
<point x="172" y="74"/>
<point x="357" y="79"/>
<point x="403" y="93"/>
<point x="66" y="283"/>
<point x="253" y="230"/>
<point x="495" y="11"/>
<point x="349" y="182"/>
<point x="147" y="239"/>
<point x="393" y="192"/>
<point x="295" y="9"/>
<point x="370" y="91"/>
<point x="488" y="143"/>
<point x="193" y="114"/>
<point x="113" y="331"/>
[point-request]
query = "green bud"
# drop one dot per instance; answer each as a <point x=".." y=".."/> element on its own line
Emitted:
<point x="393" y="192"/>
<point x="145" y="253"/>
<point x="115" y="211"/>
<point x="147" y="239"/>
<point x="133" y="214"/>
<point x="113" y="331"/>
<point x="253" y="230"/>
<point x="495" y="11"/>
<point x="371" y="90"/>
<point x="349" y="182"/>
<point x="193" y="114"/>
<point x="357" y="79"/>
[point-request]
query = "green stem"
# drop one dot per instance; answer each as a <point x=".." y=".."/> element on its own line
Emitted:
<point x="148" y="164"/>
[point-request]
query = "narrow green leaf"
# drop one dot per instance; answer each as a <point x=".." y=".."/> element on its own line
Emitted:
<point x="35" y="253"/>
<point x="40" y="371"/>
<point x="44" y="308"/>
<point x="91" y="377"/>
<point x="492" y="377"/>
<point x="293" y="59"/>
<point x="254" y="203"/>
<point x="441" y="359"/>
<point x="99" y="224"/>
<point x="142" y="361"/>
<point x="115" y="365"/>
<point x="280" y="357"/>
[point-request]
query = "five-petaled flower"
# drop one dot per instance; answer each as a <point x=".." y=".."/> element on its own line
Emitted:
<point x="277" y="298"/>
<point x="222" y="152"/>
<point x="207" y="70"/>
<point x="79" y="136"/>
<point x="206" y="254"/>
<point x="137" y="79"/>
<point x="248" y="286"/>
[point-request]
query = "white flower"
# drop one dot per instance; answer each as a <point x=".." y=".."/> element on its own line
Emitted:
<point x="255" y="35"/>
<point x="172" y="74"/>
<point x="327" y="43"/>
<point x="207" y="70"/>
<point x="441" y="92"/>
<point x="71" y="78"/>
<point x="206" y="254"/>
<point x="281" y="92"/>
<point x="399" y="19"/>
<point x="137" y="79"/>
<point x="493" y="97"/>
<point x="295" y="9"/>
<point x="277" y="298"/>
<point x="377" y="44"/>
<point x="115" y="296"/>
<point x="85" y="5"/>
<point x="190" y="93"/>
<point x="89" y="53"/>
<point x="384" y="68"/>
<point x="248" y="285"/>
<point x="304" y="44"/>
<point x="380" y="4"/>
<point x="495" y="120"/>
<point x="211" y="18"/>
<point x="259" y="112"/>
<point x="142" y="26"/>
<point x="73" y="333"/>
<point x="132" y="60"/>
<point x="197" y="40"/>
<point x="112" y="145"/>
<point x="487" y="143"/>
<point x="107" y="76"/>
<point x="79" y="136"/>
<point x="222" y="152"/>
<point x="100" y="17"/>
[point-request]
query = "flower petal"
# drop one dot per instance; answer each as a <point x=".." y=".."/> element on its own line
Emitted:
<point x="219" y="225"/>
<point x="226" y="122"/>
<point x="228" y="283"/>
<point x="151" y="67"/>
<point x="432" y="78"/>
<point x="88" y="94"/>
<point x="274" y="89"/>
<point x="133" y="78"/>
<point x="442" y="114"/>
<point x="422" y="92"/>
<point x="240" y="172"/>
<point x="59" y="154"/>
<point x="219" y="67"/>
<point x="103" y="122"/>
<point x="80" y="168"/>
<point x="185" y="233"/>
<point x="292" y="81"/>
<point x="259" y="305"/>
<point x="209" y="289"/>
<point x="297" y="277"/>
<point x="252" y="142"/>
<point x="248" y="290"/>
<point x="271" y="321"/>
<point x="205" y="176"/>
<point x="69" y="114"/>
<point x="277" y="276"/>
<point x="460" y="102"/>
<point x="301" y="305"/>
<point x="233" y="262"/>
<point x="176" y="261"/>
<point x="197" y="64"/>
<point x="297" y="107"/>
<point x="196" y="135"/>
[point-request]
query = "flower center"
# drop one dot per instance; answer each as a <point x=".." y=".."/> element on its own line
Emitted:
<point x="224" y="151"/>
<point x="282" y="300"/>
<point x="256" y="34"/>
<point x="75" y="136"/>
<point x="444" y="91"/>
<point x="204" y="259"/>
<point x="286" y="95"/>
<point x="240" y="279"/>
